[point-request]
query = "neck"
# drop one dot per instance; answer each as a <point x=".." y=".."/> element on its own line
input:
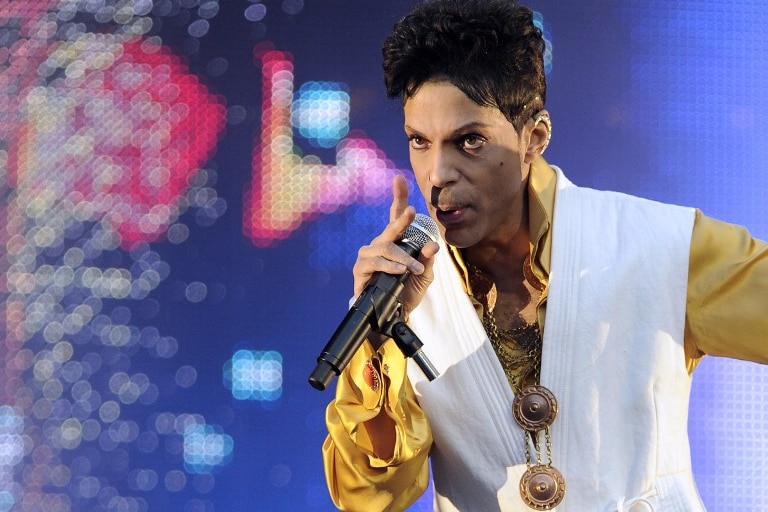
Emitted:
<point x="502" y="260"/>
<point x="509" y="297"/>
<point x="497" y="256"/>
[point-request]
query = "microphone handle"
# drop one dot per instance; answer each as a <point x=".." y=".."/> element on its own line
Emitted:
<point x="372" y="310"/>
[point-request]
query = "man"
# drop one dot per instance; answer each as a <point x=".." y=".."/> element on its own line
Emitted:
<point x="565" y="322"/>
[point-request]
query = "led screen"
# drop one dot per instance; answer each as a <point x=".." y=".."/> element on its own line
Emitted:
<point x="185" y="186"/>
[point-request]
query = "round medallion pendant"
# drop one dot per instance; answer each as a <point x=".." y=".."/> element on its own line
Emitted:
<point x="542" y="487"/>
<point x="534" y="408"/>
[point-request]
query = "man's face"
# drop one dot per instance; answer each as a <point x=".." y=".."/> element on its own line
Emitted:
<point x="468" y="163"/>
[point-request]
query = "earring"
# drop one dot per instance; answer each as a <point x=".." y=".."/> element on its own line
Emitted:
<point x="544" y="118"/>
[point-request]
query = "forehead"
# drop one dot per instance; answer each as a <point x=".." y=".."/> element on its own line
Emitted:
<point x="441" y="106"/>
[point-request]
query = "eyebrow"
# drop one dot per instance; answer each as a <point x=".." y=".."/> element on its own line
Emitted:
<point x="461" y="130"/>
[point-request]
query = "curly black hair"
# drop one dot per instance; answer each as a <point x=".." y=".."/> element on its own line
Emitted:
<point x="490" y="49"/>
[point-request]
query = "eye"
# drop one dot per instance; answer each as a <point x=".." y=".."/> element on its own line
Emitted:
<point x="417" y="142"/>
<point x="472" y="142"/>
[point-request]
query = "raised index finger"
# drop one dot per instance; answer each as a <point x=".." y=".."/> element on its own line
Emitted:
<point x="399" y="197"/>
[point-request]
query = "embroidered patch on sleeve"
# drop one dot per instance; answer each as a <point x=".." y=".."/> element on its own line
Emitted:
<point x="371" y="375"/>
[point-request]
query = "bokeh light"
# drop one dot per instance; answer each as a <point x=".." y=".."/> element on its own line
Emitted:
<point x="104" y="136"/>
<point x="288" y="187"/>
<point x="321" y="113"/>
<point x="254" y="375"/>
<point x="538" y="20"/>
<point x="206" y="448"/>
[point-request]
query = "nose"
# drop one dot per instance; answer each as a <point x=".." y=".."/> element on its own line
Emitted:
<point x="442" y="168"/>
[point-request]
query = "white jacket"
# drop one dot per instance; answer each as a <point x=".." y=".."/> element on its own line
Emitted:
<point x="613" y="357"/>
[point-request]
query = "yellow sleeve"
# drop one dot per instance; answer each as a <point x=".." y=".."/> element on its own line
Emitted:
<point x="727" y="309"/>
<point x="376" y="452"/>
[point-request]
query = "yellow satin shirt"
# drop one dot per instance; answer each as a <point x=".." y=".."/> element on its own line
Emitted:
<point x="726" y="315"/>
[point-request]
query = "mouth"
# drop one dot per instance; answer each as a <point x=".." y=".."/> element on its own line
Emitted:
<point x="450" y="214"/>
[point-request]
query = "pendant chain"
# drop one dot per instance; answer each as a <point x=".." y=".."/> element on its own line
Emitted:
<point x="519" y="350"/>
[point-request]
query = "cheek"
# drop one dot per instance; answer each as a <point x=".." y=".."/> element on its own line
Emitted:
<point x="426" y="190"/>
<point x="422" y="177"/>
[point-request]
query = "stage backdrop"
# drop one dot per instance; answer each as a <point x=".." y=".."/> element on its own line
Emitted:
<point x="186" y="183"/>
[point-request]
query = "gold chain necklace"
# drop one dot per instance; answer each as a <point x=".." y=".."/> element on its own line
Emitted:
<point x="542" y="486"/>
<point x="519" y="348"/>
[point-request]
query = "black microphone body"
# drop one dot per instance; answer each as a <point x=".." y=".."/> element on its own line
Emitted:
<point x="373" y="309"/>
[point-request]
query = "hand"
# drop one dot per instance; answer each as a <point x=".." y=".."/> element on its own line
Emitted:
<point x="383" y="255"/>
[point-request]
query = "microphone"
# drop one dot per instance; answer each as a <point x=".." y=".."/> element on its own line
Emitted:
<point x="374" y="308"/>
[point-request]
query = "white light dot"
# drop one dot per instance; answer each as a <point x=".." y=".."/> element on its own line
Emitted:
<point x="175" y="480"/>
<point x="109" y="411"/>
<point x="196" y="291"/>
<point x="186" y="376"/>
<point x="255" y="12"/>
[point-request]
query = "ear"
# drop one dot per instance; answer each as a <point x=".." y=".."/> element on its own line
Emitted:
<point x="539" y="137"/>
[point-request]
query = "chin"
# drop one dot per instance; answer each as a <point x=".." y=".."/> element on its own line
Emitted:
<point x="458" y="239"/>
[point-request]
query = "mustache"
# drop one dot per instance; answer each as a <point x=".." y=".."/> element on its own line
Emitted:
<point x="434" y="196"/>
<point x="442" y="197"/>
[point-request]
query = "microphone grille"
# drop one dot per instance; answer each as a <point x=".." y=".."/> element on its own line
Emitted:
<point x="422" y="230"/>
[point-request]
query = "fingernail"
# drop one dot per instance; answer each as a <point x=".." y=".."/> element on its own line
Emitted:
<point x="417" y="268"/>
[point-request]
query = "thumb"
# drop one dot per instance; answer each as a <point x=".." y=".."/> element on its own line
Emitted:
<point x="428" y="252"/>
<point x="427" y="258"/>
